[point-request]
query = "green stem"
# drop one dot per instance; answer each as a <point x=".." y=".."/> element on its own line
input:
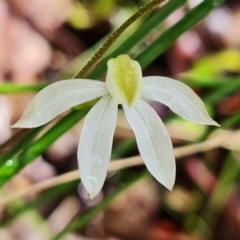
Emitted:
<point x="148" y="26"/>
<point x="214" y="82"/>
<point x="23" y="138"/>
<point x="12" y="166"/>
<point x="169" y="36"/>
<point x="9" y="144"/>
<point x="114" y="35"/>
<point x="16" y="88"/>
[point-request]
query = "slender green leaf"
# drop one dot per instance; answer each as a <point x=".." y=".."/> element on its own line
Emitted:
<point x="20" y="145"/>
<point x="13" y="165"/>
<point x="19" y="88"/>
<point x="169" y="36"/>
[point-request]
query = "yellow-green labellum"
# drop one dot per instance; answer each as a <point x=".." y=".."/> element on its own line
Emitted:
<point x="124" y="79"/>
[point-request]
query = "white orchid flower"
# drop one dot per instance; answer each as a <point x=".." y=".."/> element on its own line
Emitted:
<point x="124" y="85"/>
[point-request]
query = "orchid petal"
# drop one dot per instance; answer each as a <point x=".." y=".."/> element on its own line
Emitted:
<point x="153" y="142"/>
<point x="95" y="144"/>
<point x="179" y="97"/>
<point x="57" y="98"/>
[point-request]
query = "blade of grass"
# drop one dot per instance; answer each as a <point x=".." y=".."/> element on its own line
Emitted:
<point x="169" y="36"/>
<point x="10" y="167"/>
<point x="24" y="141"/>
<point x="10" y="143"/>
<point x="213" y="82"/>
<point x="19" y="88"/>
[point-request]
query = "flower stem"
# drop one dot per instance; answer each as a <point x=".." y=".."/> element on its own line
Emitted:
<point x="114" y="35"/>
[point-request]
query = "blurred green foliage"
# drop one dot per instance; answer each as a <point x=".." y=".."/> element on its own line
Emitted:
<point x="207" y="74"/>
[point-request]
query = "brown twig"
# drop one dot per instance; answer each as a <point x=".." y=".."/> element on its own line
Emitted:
<point x="209" y="144"/>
